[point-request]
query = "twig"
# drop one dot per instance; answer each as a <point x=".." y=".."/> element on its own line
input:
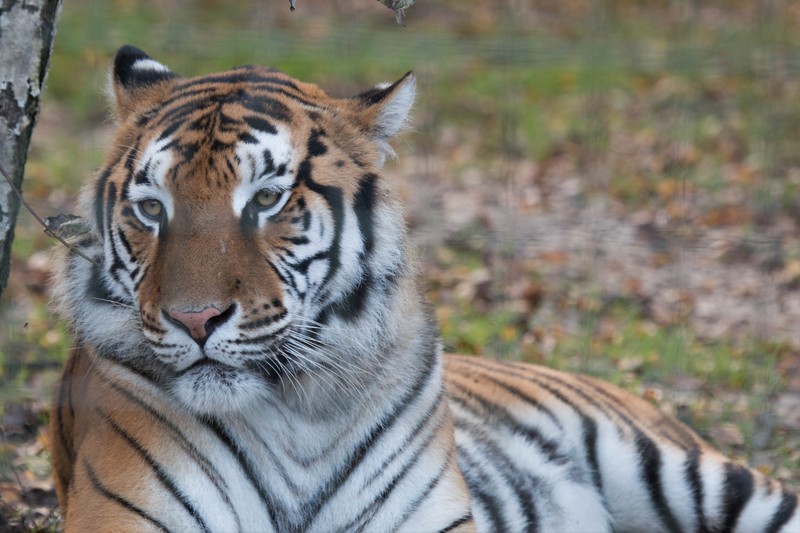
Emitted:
<point x="47" y="229"/>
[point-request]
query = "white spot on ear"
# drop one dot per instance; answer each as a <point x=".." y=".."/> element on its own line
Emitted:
<point x="149" y="64"/>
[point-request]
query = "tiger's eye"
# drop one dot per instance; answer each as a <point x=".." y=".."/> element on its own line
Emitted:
<point x="151" y="208"/>
<point x="266" y="198"/>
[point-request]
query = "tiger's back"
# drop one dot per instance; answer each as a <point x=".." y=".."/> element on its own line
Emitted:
<point x="649" y="471"/>
<point x="254" y="352"/>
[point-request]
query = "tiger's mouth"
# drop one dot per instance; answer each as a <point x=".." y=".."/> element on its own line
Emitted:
<point x="208" y="365"/>
<point x="271" y="370"/>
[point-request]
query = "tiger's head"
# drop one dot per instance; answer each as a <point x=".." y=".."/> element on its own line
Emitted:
<point x="243" y="239"/>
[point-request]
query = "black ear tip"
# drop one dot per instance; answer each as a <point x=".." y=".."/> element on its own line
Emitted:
<point x="134" y="68"/>
<point x="123" y="63"/>
<point x="131" y="53"/>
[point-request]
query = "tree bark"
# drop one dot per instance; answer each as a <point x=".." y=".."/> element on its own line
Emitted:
<point x="27" y="29"/>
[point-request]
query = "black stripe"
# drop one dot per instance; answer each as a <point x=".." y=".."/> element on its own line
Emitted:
<point x="479" y="485"/>
<point x="275" y="462"/>
<point x="522" y="485"/>
<point x="158" y="469"/>
<point x="186" y="445"/>
<point x="127" y="245"/>
<point x="248" y="75"/>
<point x="130" y="506"/>
<point x="260" y="124"/>
<point x="97" y="290"/>
<point x="783" y="513"/>
<point x="141" y="366"/>
<point x="139" y="281"/>
<point x="589" y="431"/>
<point x="353" y="303"/>
<point x="737" y="489"/>
<point x="299" y="241"/>
<point x="140" y="177"/>
<point x="286" y="280"/>
<point x="168" y="131"/>
<point x="189" y="100"/>
<point x="99" y="197"/>
<point x="65" y="402"/>
<point x="176" y="117"/>
<point x="265" y="105"/>
<point x="100" y="190"/>
<point x="371" y="509"/>
<point x="691" y="473"/>
<point x="129" y="166"/>
<point x="302" y="266"/>
<point x="547" y="383"/>
<point x="505" y="369"/>
<point x="422" y="496"/>
<point x="458" y="522"/>
<point x="403" y="446"/>
<point x="116" y="260"/>
<point x="316" y="147"/>
<point x="590" y="435"/>
<point x="519" y="394"/>
<point x="295" y="97"/>
<point x="364" y="207"/>
<point x="379" y="428"/>
<point x="271" y="336"/>
<point x="245" y="464"/>
<point x="264" y="321"/>
<point x="333" y="196"/>
<point x="321" y="454"/>
<point x="500" y="415"/>
<point x="247" y="138"/>
<point x="687" y="439"/>
<point x="651" y="464"/>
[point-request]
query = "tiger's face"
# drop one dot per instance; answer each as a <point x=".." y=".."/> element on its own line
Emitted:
<point x="242" y="231"/>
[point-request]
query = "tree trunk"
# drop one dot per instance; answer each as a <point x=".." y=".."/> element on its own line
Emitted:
<point x="27" y="28"/>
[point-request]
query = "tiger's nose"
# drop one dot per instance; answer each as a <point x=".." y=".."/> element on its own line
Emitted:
<point x="199" y="324"/>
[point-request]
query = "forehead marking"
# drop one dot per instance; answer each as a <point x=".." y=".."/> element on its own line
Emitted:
<point x="259" y="162"/>
<point x="156" y="159"/>
<point x="151" y="171"/>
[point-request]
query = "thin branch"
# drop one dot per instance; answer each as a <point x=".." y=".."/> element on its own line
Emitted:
<point x="48" y="229"/>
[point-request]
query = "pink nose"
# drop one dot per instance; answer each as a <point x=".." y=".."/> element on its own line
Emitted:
<point x="195" y="322"/>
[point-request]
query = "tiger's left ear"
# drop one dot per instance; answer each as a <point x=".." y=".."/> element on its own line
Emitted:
<point x="384" y="110"/>
<point x="135" y="78"/>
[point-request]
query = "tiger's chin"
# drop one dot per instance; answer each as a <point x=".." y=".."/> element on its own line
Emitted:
<point x="215" y="389"/>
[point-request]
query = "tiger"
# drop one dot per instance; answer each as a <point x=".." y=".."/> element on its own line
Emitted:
<point x="254" y="351"/>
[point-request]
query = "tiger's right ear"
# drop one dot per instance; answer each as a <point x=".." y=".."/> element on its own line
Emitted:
<point x="136" y="77"/>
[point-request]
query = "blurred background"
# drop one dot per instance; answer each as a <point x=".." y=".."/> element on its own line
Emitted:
<point x="603" y="186"/>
